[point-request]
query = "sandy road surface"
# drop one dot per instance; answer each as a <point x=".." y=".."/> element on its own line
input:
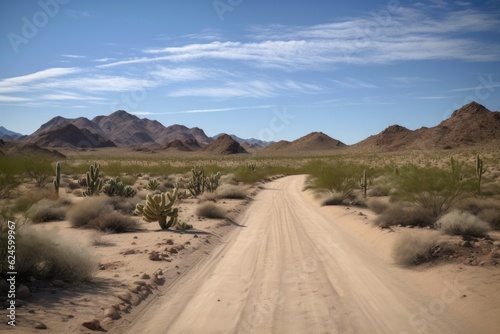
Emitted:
<point x="291" y="269"/>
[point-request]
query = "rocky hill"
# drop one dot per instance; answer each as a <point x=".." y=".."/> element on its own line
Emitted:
<point x="470" y="125"/>
<point x="224" y="145"/>
<point x="315" y="141"/>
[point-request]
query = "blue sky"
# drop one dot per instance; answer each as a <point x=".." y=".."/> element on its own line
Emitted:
<point x="265" y="69"/>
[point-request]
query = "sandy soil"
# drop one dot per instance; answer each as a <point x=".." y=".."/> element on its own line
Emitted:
<point x="298" y="268"/>
<point x="291" y="267"/>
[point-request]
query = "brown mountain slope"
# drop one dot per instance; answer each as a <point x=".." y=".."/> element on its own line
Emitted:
<point x="315" y="141"/>
<point x="13" y="149"/>
<point x="70" y="135"/>
<point x="223" y="145"/>
<point x="470" y="125"/>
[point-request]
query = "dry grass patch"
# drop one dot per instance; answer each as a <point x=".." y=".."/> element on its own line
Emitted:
<point x="48" y="211"/>
<point x="210" y="210"/>
<point x="378" y="206"/>
<point x="414" y="247"/>
<point x="405" y="216"/>
<point x="99" y="213"/>
<point x="42" y="255"/>
<point x="462" y="223"/>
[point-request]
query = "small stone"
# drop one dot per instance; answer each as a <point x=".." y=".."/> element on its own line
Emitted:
<point x="39" y="325"/>
<point x="124" y="296"/>
<point x="159" y="272"/>
<point x="58" y="283"/>
<point x="140" y="283"/>
<point x="128" y="252"/>
<point x="23" y="292"/>
<point x="173" y="250"/>
<point x="154" y="256"/>
<point x="93" y="325"/>
<point x="145" y="276"/>
<point x="136" y="237"/>
<point x="31" y="311"/>
<point x="196" y="236"/>
<point x="170" y="242"/>
<point x="134" y="243"/>
<point x="180" y="247"/>
<point x="111" y="313"/>
<point x="187" y="243"/>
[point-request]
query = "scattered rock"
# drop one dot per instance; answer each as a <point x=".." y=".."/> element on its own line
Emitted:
<point x="31" y="311"/>
<point x="170" y="242"/>
<point x="173" y="250"/>
<point x="124" y="296"/>
<point x="23" y="292"/>
<point x="196" y="236"/>
<point x="93" y="325"/>
<point x="154" y="256"/>
<point x="145" y="276"/>
<point x="128" y="252"/>
<point x="159" y="272"/>
<point x="136" y="237"/>
<point x="187" y="243"/>
<point x="111" y="313"/>
<point x="39" y="325"/>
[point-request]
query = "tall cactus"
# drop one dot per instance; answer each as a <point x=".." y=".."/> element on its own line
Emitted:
<point x="363" y="183"/>
<point x="159" y="207"/>
<point x="479" y="172"/>
<point x="94" y="182"/>
<point x="57" y="181"/>
<point x="212" y="182"/>
<point x="197" y="184"/>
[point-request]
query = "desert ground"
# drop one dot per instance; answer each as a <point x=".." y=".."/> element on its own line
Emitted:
<point x="279" y="261"/>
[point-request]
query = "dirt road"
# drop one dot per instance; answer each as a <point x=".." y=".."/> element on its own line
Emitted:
<point x="291" y="269"/>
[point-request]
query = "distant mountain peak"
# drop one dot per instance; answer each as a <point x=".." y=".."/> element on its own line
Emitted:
<point x="469" y="110"/>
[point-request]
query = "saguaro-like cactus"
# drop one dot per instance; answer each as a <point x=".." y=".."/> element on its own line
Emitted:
<point x="57" y="181"/>
<point x="159" y="207"/>
<point x="94" y="182"/>
<point x="363" y="183"/>
<point x="479" y="172"/>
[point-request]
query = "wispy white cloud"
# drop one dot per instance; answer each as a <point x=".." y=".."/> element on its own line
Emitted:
<point x="16" y="84"/>
<point x="462" y="3"/>
<point x="5" y="98"/>
<point x="254" y="88"/>
<point x="74" y="56"/>
<point x="353" y="83"/>
<point x="195" y="111"/>
<point x="99" y="83"/>
<point x="61" y="96"/>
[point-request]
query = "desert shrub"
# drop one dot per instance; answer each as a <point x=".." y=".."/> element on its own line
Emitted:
<point x="405" y="216"/>
<point x="431" y="188"/>
<point x="231" y="191"/>
<point x="47" y="211"/>
<point x="73" y="185"/>
<point x="40" y="170"/>
<point x="333" y="198"/>
<point x="462" y="223"/>
<point x="486" y="209"/>
<point x="124" y="205"/>
<point x="414" y="247"/>
<point x="97" y="241"/>
<point x="491" y="216"/>
<point x="115" y="222"/>
<point x="28" y="199"/>
<point x="210" y="210"/>
<point x="378" y="206"/>
<point x="8" y="182"/>
<point x="41" y="254"/>
<point x="98" y="213"/>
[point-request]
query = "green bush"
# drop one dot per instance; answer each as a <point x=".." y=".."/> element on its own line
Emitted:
<point x="431" y="188"/>
<point x="462" y="223"/>
<point x="414" y="247"/>
<point x="40" y="170"/>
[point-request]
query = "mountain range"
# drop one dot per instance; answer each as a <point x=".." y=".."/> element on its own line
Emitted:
<point x="470" y="125"/>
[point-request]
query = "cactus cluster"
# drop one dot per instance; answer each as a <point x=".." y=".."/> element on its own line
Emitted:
<point x="153" y="184"/>
<point x="94" y="182"/>
<point x="479" y="172"/>
<point x="159" y="207"/>
<point x="252" y="167"/>
<point x="200" y="183"/>
<point x="115" y="187"/>
<point x="57" y="181"/>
